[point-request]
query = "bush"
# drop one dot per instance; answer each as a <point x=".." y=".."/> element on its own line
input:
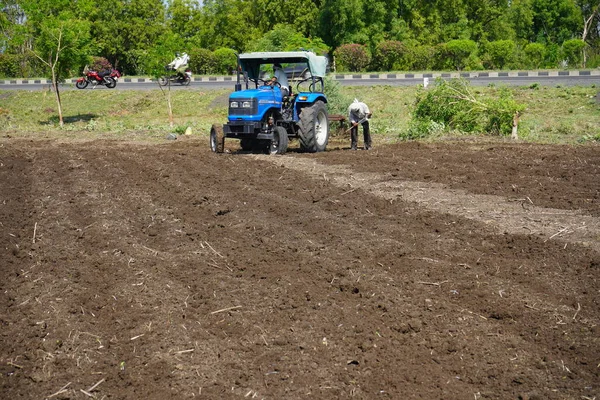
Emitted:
<point x="452" y="105"/>
<point x="499" y="54"/>
<point x="572" y="52"/>
<point x="21" y="66"/>
<point x="9" y="66"/>
<point x="225" y="61"/>
<point x="535" y="54"/>
<point x="459" y="52"/>
<point x="352" y="57"/>
<point x="202" y="61"/>
<point x="100" y="64"/>
<point x="390" y="56"/>
<point x="552" y="56"/>
<point x="337" y="102"/>
<point x="421" y="58"/>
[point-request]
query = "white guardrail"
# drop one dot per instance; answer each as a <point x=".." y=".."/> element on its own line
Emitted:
<point x="394" y="76"/>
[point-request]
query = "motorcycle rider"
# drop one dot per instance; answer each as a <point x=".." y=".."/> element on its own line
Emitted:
<point x="180" y="64"/>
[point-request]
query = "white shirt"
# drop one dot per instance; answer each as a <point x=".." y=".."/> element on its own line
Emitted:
<point x="179" y="61"/>
<point x="281" y="77"/>
<point x="358" y="111"/>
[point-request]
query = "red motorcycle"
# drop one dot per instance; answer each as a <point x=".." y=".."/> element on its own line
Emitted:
<point x="106" y="78"/>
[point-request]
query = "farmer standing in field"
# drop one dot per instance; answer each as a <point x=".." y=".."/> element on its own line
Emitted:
<point x="359" y="113"/>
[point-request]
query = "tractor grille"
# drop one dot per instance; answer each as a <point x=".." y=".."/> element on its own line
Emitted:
<point x="239" y="109"/>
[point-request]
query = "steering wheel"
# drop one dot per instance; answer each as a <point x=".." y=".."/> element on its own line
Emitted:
<point x="276" y="83"/>
<point x="262" y="82"/>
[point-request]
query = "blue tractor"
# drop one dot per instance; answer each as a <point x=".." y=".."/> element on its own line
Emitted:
<point x="263" y="116"/>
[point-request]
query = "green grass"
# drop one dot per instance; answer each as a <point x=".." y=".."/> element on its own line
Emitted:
<point x="553" y="114"/>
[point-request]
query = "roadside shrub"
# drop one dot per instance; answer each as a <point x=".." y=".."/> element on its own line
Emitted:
<point x="337" y="102"/>
<point x="390" y="56"/>
<point x="21" y="66"/>
<point x="9" y="66"/>
<point x="352" y="57"/>
<point x="498" y="54"/>
<point x="100" y="64"/>
<point x="535" y="55"/>
<point x="202" y="61"/>
<point x="452" y="105"/>
<point x="593" y="61"/>
<point x="459" y="52"/>
<point x="572" y="52"/>
<point x="225" y="61"/>
<point x="421" y="58"/>
<point x="552" y="56"/>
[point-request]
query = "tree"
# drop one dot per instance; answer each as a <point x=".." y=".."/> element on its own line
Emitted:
<point x="555" y="20"/>
<point x="62" y="43"/>
<point x="590" y="13"/>
<point x="286" y="38"/>
<point x="487" y="20"/>
<point x="154" y="61"/>
<point x="11" y="16"/>
<point x="180" y="14"/>
<point x="341" y="21"/>
<point x="226" y="23"/>
<point x="127" y="30"/>
<point x="300" y="14"/>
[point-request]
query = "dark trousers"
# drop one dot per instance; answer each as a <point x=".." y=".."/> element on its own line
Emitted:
<point x="366" y="133"/>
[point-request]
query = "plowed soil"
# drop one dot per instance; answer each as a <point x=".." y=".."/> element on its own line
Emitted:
<point x="455" y="270"/>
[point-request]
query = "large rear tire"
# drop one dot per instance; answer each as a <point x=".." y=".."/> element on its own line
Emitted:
<point x="186" y="80"/>
<point x="279" y="143"/>
<point x="314" y="128"/>
<point x="81" y="84"/>
<point x="217" y="138"/>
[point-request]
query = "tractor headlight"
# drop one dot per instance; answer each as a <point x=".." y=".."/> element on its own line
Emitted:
<point x="234" y="104"/>
<point x="246" y="104"/>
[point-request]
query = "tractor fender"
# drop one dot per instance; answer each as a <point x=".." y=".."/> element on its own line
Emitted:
<point x="310" y="98"/>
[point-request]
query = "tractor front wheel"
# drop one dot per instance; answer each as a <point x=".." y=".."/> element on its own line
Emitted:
<point x="314" y="128"/>
<point x="217" y="138"/>
<point x="279" y="143"/>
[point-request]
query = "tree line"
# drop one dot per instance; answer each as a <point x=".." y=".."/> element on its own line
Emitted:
<point x="140" y="36"/>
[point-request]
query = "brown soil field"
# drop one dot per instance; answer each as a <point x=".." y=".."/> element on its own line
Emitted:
<point x="450" y="270"/>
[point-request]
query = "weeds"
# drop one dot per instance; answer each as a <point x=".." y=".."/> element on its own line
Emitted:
<point x="454" y="105"/>
<point x="142" y="115"/>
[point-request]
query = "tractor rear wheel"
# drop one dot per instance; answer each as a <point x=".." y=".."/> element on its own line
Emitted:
<point x="217" y="138"/>
<point x="314" y="128"/>
<point x="279" y="143"/>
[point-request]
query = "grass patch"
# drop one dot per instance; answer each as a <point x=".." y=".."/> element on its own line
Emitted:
<point x="552" y="114"/>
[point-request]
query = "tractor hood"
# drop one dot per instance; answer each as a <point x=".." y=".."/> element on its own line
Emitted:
<point x="251" y="62"/>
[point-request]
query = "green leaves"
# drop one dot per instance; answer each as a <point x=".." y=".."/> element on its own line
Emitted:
<point x="435" y="34"/>
<point x="63" y="44"/>
<point x="453" y="105"/>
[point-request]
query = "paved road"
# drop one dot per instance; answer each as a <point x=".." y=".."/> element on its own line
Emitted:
<point x="513" y="78"/>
